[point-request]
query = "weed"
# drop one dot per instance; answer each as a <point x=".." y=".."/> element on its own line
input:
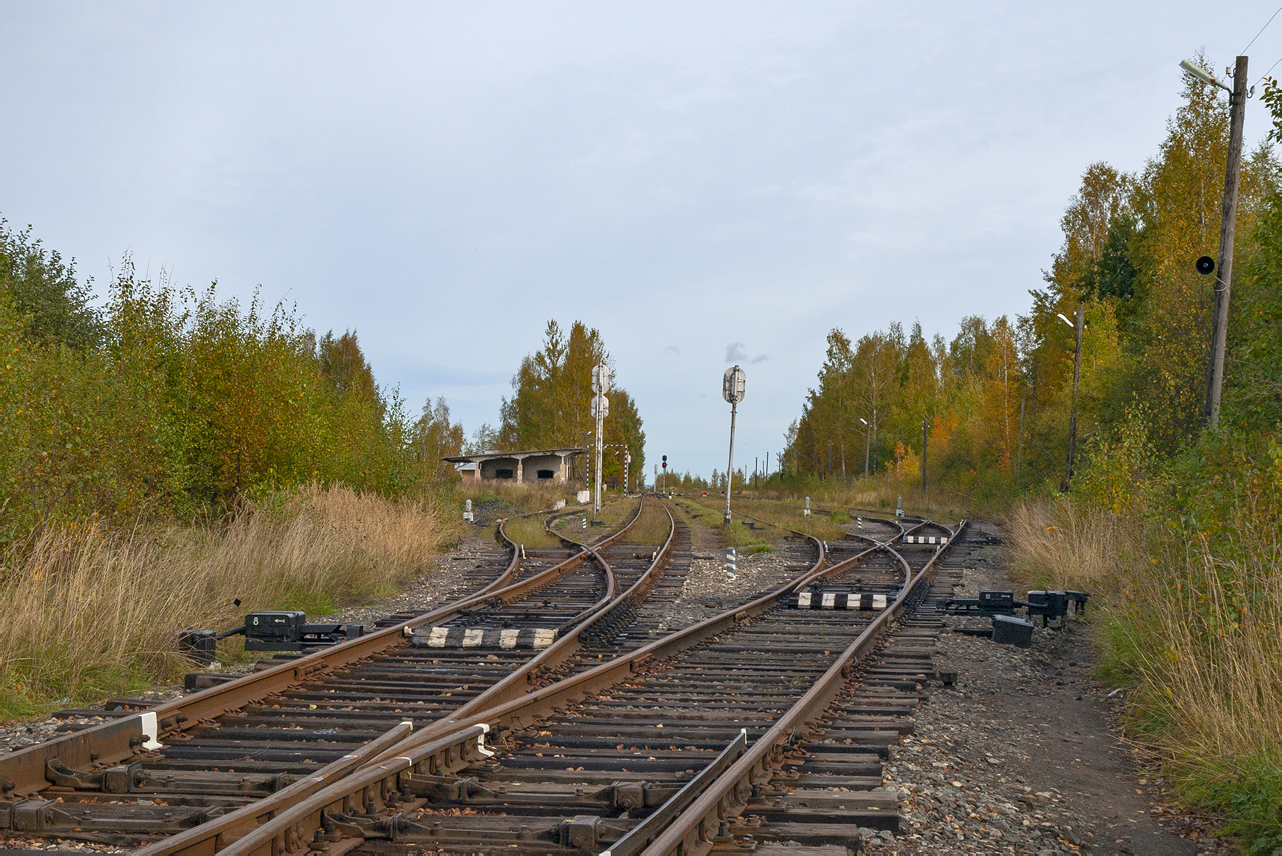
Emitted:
<point x="86" y="611"/>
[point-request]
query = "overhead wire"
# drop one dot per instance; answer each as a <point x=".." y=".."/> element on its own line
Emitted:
<point x="1266" y="74"/>
<point x="1257" y="35"/>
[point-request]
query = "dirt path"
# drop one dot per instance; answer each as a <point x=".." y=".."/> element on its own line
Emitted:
<point x="1021" y="755"/>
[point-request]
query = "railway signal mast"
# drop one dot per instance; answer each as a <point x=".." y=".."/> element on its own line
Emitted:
<point x="732" y="387"/>
<point x="600" y="410"/>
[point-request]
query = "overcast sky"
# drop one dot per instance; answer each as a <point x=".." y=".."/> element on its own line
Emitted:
<point x="703" y="182"/>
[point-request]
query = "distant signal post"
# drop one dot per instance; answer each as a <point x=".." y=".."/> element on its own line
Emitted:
<point x="732" y="387"/>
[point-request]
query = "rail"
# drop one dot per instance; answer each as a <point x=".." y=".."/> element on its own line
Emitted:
<point x="24" y="771"/>
<point x="695" y="829"/>
<point x="205" y="838"/>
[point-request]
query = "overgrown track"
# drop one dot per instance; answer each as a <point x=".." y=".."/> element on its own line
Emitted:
<point x="317" y="711"/>
<point x="610" y="738"/>
<point x="645" y="744"/>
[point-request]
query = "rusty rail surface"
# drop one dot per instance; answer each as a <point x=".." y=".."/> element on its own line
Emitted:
<point x="695" y="829"/>
<point x="380" y="779"/>
<point x="24" y="771"/>
<point x="206" y="837"/>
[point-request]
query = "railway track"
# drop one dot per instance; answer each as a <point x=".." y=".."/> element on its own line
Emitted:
<point x="613" y="742"/>
<point x="610" y="757"/>
<point x="247" y="739"/>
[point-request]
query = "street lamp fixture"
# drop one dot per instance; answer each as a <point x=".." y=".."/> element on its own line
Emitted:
<point x="1204" y="75"/>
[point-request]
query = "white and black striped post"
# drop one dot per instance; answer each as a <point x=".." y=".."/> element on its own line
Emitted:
<point x="730" y="562"/>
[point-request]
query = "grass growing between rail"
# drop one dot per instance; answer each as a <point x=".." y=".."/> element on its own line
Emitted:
<point x="86" y="612"/>
<point x="516" y="497"/>
<point x="529" y="531"/>
<point x="652" y="527"/>
<point x="1190" y="627"/>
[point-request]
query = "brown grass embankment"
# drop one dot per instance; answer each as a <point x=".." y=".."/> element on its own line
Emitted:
<point x="86" y="611"/>
<point x="1190" y="629"/>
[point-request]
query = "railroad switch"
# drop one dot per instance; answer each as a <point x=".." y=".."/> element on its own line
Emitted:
<point x="1048" y="604"/>
<point x="121" y="779"/>
<point x="281" y="630"/>
<point x="588" y="832"/>
<point x="201" y="646"/>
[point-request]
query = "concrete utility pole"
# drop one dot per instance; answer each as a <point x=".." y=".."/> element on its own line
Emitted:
<point x="1228" y="224"/>
<point x="600" y="408"/>
<point x="732" y="389"/>
<point x="1072" y="417"/>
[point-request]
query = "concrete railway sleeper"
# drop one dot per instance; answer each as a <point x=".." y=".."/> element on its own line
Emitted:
<point x="580" y="762"/>
<point x="233" y="717"/>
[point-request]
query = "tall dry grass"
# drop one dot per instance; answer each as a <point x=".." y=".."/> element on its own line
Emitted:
<point x="519" y="496"/>
<point x="86" y="611"/>
<point x="1211" y="656"/>
<point x="1059" y="545"/>
<point x="1192" y="630"/>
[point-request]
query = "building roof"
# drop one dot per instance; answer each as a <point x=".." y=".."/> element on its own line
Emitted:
<point x="525" y="453"/>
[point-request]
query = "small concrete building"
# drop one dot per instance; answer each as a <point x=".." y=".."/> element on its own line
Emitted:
<point x="535" y="465"/>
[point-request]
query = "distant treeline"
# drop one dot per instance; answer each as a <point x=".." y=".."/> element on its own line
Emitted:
<point x="168" y="401"/>
<point x="1130" y="242"/>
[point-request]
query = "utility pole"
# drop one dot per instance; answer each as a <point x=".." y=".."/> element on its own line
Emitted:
<point x="1228" y="224"/>
<point x="1072" y="418"/>
<point x="1019" y="447"/>
<point x="925" y="436"/>
<point x="732" y="388"/>
<point x="867" y="445"/>
<point x="600" y="407"/>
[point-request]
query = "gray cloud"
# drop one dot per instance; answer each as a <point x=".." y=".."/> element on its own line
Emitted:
<point x="737" y="353"/>
<point x="672" y="349"/>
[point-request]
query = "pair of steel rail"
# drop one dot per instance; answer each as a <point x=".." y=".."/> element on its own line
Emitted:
<point x="687" y="823"/>
<point x="333" y="807"/>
